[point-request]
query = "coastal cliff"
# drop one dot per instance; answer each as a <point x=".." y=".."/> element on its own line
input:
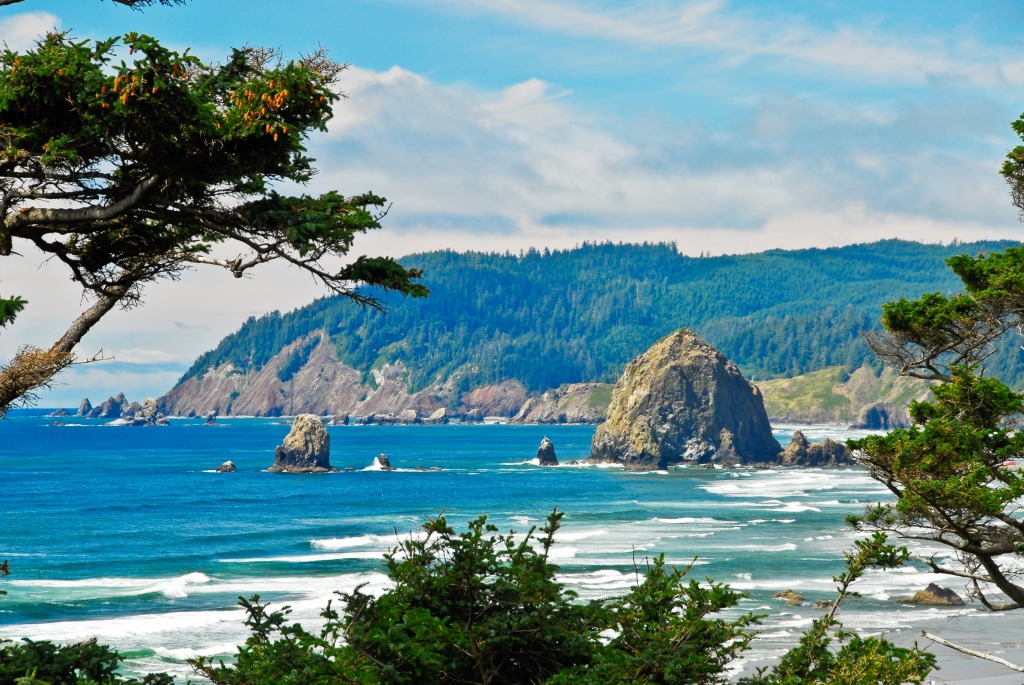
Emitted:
<point x="323" y="385"/>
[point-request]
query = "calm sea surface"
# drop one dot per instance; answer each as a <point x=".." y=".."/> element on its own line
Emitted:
<point x="128" y="535"/>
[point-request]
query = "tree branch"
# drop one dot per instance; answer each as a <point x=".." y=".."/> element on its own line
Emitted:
<point x="84" y="214"/>
<point x="972" y="652"/>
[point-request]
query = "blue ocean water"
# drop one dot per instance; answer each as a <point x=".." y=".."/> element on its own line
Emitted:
<point x="127" y="534"/>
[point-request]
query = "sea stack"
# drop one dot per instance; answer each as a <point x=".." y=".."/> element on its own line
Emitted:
<point x="800" y="452"/>
<point x="682" y="401"/>
<point x="306" y="448"/>
<point x="546" y="453"/>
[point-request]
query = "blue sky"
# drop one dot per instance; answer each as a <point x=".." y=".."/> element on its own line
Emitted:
<point x="503" y="124"/>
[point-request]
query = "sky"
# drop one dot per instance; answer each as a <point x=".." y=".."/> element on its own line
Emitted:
<point x="726" y="127"/>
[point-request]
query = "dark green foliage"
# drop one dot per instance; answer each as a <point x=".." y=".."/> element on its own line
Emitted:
<point x="480" y="607"/>
<point x="132" y="171"/>
<point x="472" y="607"/>
<point x="297" y="359"/>
<point x="84" y="663"/>
<point x="667" y="633"/>
<point x="9" y="309"/>
<point x="951" y="471"/>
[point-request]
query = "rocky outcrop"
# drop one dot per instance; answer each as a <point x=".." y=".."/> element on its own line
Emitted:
<point x="84" y="407"/>
<point x="384" y="463"/>
<point x="306" y="448"/>
<point x="792" y="598"/>
<point x="132" y="409"/>
<point x="934" y="596"/>
<point x="570" y="403"/>
<point x="441" y="416"/>
<point x="227" y="467"/>
<point x="59" y="413"/>
<point x="682" y="401"/>
<point x="211" y="419"/>
<point x="800" y="452"/>
<point x="146" y="415"/>
<point x="112" y="408"/>
<point x="546" y="453"/>
<point x="882" y="416"/>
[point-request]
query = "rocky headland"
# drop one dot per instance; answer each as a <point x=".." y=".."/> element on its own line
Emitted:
<point x="682" y="402"/>
<point x="326" y="386"/>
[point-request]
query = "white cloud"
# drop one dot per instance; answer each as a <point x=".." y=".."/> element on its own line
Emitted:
<point x="21" y="31"/>
<point x="737" y="36"/>
<point x="524" y="163"/>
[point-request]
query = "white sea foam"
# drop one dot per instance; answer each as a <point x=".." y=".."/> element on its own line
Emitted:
<point x="382" y="542"/>
<point x="689" y="519"/>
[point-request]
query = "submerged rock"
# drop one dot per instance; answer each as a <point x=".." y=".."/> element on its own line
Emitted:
<point x="934" y="596"/>
<point x="306" y="448"/>
<point x="546" y="453"/>
<point x="800" y="452"/>
<point x="227" y="467"/>
<point x="683" y="401"/>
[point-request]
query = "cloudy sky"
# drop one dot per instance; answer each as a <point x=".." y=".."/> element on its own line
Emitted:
<point x="502" y="124"/>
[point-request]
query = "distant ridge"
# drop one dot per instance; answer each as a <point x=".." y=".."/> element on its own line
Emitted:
<point x="517" y="325"/>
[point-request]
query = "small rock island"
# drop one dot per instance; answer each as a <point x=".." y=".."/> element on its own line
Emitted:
<point x="306" y="448"/>
<point x="546" y="453"/>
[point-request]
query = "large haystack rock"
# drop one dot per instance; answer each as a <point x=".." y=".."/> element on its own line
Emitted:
<point x="682" y="401"/>
<point x="306" y="449"/>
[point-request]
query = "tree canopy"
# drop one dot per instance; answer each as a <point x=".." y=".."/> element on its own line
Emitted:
<point x="130" y="171"/>
<point x="955" y="472"/>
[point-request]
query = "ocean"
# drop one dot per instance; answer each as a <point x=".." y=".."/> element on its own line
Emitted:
<point x="129" y="535"/>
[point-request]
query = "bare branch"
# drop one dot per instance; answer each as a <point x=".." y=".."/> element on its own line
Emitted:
<point x="972" y="652"/>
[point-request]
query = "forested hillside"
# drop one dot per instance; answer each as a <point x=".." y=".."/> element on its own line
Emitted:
<point x="548" y="318"/>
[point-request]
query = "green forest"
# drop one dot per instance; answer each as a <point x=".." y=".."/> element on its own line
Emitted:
<point x="546" y="318"/>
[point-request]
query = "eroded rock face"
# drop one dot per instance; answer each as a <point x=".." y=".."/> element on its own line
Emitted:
<point x="933" y="595"/>
<point x="546" y="453"/>
<point x="882" y="416"/>
<point x="800" y="452"/>
<point x="682" y="401"/>
<point x="306" y="448"/>
<point x="227" y="467"/>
